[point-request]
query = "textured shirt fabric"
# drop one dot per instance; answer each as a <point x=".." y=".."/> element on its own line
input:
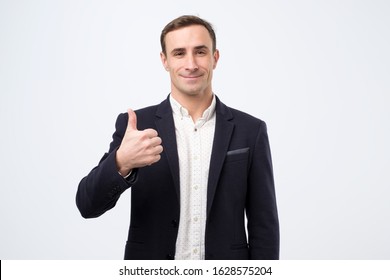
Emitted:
<point x="194" y="145"/>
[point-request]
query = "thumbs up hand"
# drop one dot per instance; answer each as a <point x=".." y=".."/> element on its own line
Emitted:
<point x="139" y="148"/>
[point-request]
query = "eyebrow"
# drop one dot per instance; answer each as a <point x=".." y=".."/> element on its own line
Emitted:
<point x="178" y="50"/>
<point x="196" y="48"/>
<point x="201" y="47"/>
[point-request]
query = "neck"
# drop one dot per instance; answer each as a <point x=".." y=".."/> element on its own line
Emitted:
<point x="195" y="104"/>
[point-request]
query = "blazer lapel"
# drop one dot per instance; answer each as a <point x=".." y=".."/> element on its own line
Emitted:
<point x="223" y="133"/>
<point x="166" y="130"/>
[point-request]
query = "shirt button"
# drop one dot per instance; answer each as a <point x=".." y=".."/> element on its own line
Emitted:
<point x="195" y="219"/>
<point x="195" y="251"/>
<point x="196" y="187"/>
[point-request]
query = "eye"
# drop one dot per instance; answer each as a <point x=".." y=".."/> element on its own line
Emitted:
<point x="201" y="52"/>
<point x="178" y="53"/>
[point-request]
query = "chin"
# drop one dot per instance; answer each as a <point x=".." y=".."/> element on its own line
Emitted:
<point x="190" y="91"/>
<point x="193" y="93"/>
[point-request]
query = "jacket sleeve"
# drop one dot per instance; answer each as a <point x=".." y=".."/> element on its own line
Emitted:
<point x="263" y="224"/>
<point x="101" y="188"/>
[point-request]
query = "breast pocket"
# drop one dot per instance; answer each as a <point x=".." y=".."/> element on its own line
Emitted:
<point x="235" y="169"/>
<point x="234" y="179"/>
<point x="237" y="155"/>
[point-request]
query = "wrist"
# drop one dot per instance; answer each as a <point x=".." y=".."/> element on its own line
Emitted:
<point x="123" y="170"/>
<point x="125" y="175"/>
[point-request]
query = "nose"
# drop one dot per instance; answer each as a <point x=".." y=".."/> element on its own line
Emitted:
<point x="191" y="64"/>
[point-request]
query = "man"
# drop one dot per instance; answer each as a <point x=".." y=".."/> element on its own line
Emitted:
<point x="195" y="166"/>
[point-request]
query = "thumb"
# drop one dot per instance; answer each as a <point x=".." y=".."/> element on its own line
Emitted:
<point x="132" y="122"/>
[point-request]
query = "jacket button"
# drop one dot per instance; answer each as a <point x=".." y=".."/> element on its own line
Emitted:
<point x="169" y="257"/>
<point x="209" y="256"/>
<point x="175" y="223"/>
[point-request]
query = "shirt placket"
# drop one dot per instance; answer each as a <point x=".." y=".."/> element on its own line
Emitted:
<point x="196" y="198"/>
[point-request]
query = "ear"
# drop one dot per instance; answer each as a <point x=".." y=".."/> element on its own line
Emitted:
<point x="164" y="61"/>
<point x="216" y="58"/>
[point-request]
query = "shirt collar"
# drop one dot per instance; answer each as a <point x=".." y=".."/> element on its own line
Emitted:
<point x="179" y="110"/>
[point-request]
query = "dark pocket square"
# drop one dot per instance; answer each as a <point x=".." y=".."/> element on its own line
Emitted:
<point x="236" y="155"/>
<point x="238" y="151"/>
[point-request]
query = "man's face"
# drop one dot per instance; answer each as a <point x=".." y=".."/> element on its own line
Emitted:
<point x="190" y="60"/>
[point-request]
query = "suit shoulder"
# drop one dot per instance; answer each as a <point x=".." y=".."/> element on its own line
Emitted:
<point x="143" y="114"/>
<point x="147" y="110"/>
<point x="140" y="112"/>
<point x="243" y="117"/>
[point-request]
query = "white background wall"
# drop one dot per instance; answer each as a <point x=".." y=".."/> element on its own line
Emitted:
<point x="316" y="71"/>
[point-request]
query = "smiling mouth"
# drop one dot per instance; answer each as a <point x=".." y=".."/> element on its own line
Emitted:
<point x="192" y="77"/>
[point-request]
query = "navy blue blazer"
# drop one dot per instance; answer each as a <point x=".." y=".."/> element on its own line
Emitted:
<point x="240" y="183"/>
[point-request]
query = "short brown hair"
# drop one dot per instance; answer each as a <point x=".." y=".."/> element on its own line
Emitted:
<point x="184" y="21"/>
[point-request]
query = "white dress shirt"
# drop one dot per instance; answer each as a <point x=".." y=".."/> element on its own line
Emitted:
<point x="194" y="146"/>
